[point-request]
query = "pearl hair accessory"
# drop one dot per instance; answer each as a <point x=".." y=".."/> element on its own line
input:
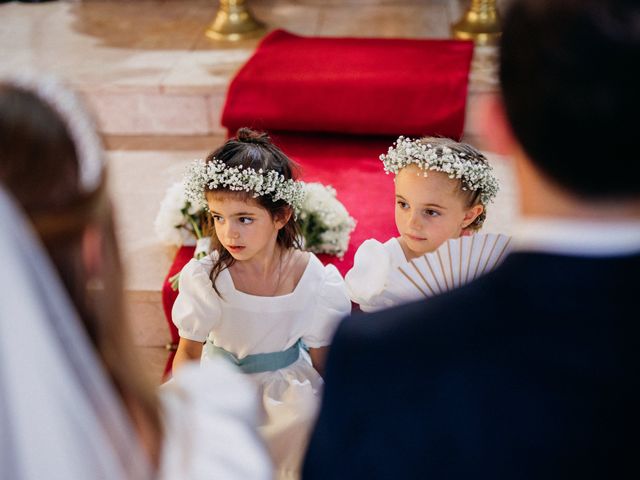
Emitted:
<point x="76" y="118"/>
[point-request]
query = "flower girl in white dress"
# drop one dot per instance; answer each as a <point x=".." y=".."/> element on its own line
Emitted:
<point x="256" y="298"/>
<point x="442" y="188"/>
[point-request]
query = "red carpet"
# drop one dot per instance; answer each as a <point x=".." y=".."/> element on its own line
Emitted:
<point x="334" y="105"/>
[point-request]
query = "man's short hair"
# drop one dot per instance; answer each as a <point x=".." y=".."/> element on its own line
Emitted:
<point x="570" y="78"/>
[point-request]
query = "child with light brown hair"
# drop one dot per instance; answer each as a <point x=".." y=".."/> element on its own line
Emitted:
<point x="442" y="188"/>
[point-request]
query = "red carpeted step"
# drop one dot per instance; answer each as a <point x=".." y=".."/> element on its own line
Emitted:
<point x="367" y="86"/>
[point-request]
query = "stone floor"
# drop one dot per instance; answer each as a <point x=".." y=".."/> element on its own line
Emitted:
<point x="157" y="84"/>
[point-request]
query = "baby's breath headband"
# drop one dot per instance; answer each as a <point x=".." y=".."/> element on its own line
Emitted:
<point x="473" y="170"/>
<point x="202" y="175"/>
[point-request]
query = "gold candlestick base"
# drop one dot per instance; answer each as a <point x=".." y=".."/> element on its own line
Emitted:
<point x="234" y="22"/>
<point x="480" y="23"/>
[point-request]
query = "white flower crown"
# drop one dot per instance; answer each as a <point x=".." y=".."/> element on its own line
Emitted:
<point x="202" y="175"/>
<point x="474" y="171"/>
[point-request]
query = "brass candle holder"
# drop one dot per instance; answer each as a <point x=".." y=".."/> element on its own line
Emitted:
<point x="233" y="22"/>
<point x="480" y="23"/>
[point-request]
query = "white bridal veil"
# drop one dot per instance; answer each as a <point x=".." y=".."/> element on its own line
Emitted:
<point x="59" y="416"/>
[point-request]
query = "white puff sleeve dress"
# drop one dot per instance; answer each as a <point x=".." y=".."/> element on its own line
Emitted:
<point x="372" y="282"/>
<point x="244" y="324"/>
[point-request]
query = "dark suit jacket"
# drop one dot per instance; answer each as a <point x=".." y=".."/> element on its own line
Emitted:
<point x="529" y="372"/>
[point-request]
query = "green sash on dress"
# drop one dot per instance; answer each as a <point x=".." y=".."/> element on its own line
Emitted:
<point x="259" y="362"/>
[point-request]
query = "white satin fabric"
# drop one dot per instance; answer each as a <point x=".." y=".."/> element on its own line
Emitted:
<point x="369" y="282"/>
<point x="210" y="418"/>
<point x="59" y="416"/>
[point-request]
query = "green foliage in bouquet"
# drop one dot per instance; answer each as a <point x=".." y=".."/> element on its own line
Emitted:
<point x="325" y="224"/>
<point x="312" y="229"/>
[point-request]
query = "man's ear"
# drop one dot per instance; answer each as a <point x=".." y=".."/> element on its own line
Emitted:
<point x="471" y="214"/>
<point x="494" y="125"/>
<point x="92" y="251"/>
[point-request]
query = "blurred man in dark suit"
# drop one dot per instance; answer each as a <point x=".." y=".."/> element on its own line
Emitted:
<point x="533" y="371"/>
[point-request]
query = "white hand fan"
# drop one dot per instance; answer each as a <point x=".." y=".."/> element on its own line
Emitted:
<point x="455" y="262"/>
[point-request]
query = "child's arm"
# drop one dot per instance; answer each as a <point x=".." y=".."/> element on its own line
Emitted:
<point x="318" y="358"/>
<point x="195" y="311"/>
<point x="332" y="306"/>
<point x="188" y="351"/>
<point x="367" y="280"/>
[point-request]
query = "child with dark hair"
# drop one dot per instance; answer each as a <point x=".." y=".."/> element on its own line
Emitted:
<point x="257" y="297"/>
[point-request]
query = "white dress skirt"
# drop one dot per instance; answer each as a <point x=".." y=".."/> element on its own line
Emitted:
<point x="244" y="324"/>
<point x="210" y="419"/>
<point x="372" y="282"/>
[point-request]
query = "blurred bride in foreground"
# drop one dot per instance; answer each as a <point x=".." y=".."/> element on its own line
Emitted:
<point x="74" y="403"/>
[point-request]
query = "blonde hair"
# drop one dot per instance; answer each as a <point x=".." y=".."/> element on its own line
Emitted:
<point x="472" y="197"/>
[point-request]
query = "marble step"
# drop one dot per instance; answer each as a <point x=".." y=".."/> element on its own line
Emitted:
<point x="193" y="105"/>
<point x="191" y="110"/>
<point x="148" y="68"/>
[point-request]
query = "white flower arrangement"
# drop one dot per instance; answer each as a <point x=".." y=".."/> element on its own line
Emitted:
<point x="473" y="170"/>
<point x="174" y="221"/>
<point x="179" y="223"/>
<point x="202" y="175"/>
<point x="324" y="221"/>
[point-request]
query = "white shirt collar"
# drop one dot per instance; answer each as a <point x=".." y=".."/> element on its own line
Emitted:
<point x="577" y="237"/>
